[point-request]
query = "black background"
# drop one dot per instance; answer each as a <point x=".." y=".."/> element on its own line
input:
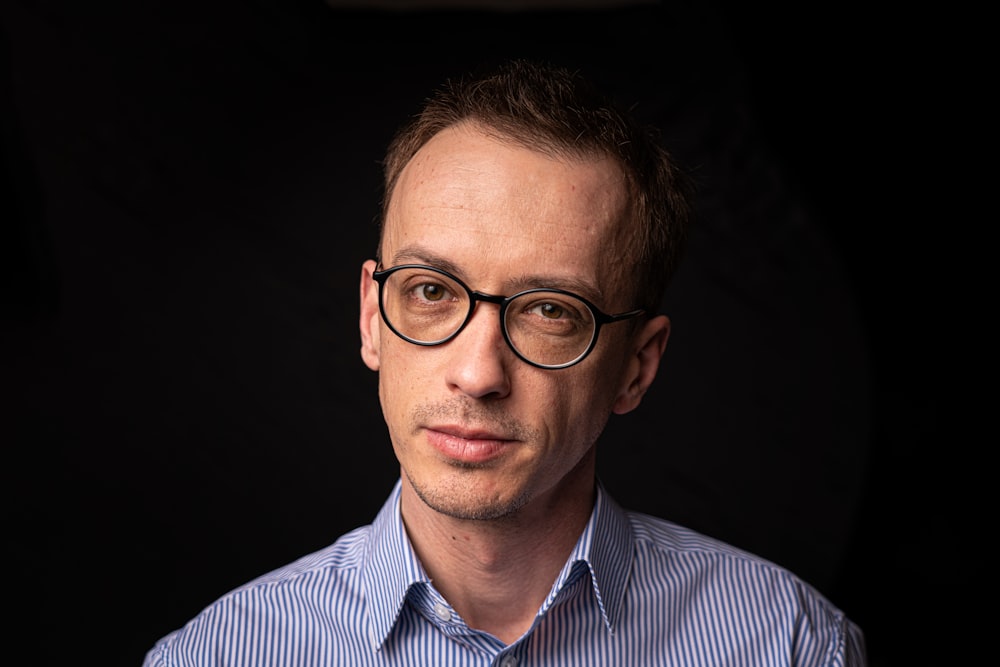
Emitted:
<point x="190" y="189"/>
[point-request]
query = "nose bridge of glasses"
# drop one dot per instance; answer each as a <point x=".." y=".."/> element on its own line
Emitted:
<point x="489" y="298"/>
<point x="475" y="298"/>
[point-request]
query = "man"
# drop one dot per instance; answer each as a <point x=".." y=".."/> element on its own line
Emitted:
<point x="528" y="232"/>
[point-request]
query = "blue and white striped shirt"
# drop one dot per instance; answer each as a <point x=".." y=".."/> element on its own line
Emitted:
<point x="637" y="591"/>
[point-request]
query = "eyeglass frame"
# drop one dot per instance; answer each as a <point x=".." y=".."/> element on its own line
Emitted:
<point x="601" y="318"/>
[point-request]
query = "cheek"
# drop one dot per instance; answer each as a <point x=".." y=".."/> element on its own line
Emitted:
<point x="579" y="406"/>
<point x="397" y="380"/>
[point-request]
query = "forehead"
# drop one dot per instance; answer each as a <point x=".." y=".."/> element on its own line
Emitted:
<point x="496" y="211"/>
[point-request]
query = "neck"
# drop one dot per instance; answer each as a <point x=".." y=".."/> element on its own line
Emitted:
<point x="496" y="574"/>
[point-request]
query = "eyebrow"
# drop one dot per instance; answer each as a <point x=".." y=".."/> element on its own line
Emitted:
<point x="416" y="254"/>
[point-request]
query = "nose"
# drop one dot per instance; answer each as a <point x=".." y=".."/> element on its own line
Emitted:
<point x="479" y="361"/>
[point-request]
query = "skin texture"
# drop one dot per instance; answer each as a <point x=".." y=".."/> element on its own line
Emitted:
<point x="496" y="454"/>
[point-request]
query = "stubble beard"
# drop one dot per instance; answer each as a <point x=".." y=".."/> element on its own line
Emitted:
<point x="460" y="502"/>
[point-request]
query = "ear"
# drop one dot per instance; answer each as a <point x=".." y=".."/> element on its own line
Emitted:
<point x="370" y="318"/>
<point x="642" y="364"/>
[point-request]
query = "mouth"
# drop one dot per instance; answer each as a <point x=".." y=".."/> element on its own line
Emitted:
<point x="467" y="446"/>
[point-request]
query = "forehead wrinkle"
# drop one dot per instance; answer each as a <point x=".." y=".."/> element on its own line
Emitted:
<point x="414" y="253"/>
<point x="418" y="254"/>
<point x="570" y="284"/>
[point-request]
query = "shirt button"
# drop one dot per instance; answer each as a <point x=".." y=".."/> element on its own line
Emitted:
<point x="442" y="612"/>
<point x="508" y="661"/>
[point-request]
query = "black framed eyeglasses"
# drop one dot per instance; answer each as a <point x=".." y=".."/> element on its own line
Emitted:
<point x="545" y="327"/>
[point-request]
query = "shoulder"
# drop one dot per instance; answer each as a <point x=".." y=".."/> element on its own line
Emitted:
<point x="664" y="546"/>
<point x="723" y="582"/>
<point x="280" y="600"/>
<point x="340" y="560"/>
<point x="668" y="538"/>
<point x="345" y="555"/>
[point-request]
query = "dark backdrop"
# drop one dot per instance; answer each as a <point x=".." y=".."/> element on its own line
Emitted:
<point x="190" y="189"/>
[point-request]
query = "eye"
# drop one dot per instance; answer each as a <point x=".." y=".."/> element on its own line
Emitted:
<point x="549" y="310"/>
<point x="430" y="291"/>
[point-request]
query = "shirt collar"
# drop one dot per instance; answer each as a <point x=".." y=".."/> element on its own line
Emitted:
<point x="391" y="567"/>
<point x="606" y="549"/>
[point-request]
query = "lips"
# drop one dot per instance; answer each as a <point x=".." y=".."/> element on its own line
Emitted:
<point x="467" y="446"/>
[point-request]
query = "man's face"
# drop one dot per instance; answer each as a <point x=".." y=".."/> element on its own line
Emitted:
<point x="478" y="432"/>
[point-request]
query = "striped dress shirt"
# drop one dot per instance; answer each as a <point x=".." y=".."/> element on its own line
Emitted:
<point x="637" y="591"/>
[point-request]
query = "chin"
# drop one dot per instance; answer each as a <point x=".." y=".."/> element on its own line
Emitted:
<point x="469" y="504"/>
